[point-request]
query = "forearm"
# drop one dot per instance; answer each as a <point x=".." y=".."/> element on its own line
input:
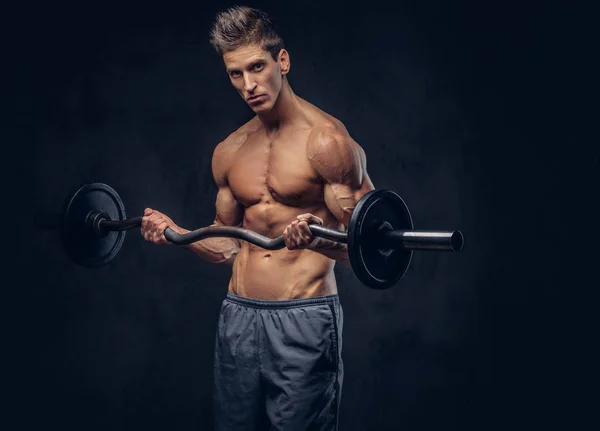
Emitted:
<point x="333" y="250"/>
<point x="215" y="250"/>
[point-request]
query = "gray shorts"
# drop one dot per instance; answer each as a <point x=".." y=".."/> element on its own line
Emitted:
<point x="278" y="364"/>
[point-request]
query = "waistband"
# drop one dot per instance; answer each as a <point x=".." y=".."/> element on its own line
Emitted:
<point x="287" y="303"/>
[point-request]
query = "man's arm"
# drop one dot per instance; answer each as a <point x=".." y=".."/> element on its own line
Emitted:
<point x="342" y="165"/>
<point x="229" y="212"/>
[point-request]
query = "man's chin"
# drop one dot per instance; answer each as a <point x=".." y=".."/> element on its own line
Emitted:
<point x="260" y="109"/>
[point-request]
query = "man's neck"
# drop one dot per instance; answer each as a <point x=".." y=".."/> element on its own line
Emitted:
<point x="283" y="111"/>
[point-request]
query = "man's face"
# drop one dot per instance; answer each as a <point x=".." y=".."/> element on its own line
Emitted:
<point x="256" y="76"/>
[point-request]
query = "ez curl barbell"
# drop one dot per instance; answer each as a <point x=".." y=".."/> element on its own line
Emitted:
<point x="380" y="235"/>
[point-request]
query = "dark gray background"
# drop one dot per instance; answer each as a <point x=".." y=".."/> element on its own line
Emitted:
<point x="473" y="113"/>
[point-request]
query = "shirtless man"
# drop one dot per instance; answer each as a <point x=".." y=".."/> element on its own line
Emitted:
<point x="278" y="346"/>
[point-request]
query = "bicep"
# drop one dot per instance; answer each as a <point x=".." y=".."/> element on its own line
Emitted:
<point x="342" y="164"/>
<point x="341" y="199"/>
<point x="229" y="212"/>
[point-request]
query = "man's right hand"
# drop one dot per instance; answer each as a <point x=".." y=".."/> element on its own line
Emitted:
<point x="154" y="224"/>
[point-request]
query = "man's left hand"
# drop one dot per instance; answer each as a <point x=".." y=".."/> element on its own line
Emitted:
<point x="297" y="234"/>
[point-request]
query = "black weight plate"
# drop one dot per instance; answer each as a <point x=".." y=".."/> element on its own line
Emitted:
<point x="374" y="267"/>
<point x="80" y="242"/>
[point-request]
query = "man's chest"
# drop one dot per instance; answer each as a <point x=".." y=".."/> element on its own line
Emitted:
<point x="277" y="169"/>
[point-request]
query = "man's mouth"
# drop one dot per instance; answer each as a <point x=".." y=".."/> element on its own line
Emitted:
<point x="254" y="98"/>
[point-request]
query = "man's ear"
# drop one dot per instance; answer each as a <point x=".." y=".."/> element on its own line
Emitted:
<point x="284" y="61"/>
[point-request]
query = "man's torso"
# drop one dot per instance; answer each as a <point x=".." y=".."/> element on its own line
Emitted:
<point x="273" y="179"/>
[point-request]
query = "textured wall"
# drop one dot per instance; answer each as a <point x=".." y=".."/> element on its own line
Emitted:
<point x="441" y="99"/>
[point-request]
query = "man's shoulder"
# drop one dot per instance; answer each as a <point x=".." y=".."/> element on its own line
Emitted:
<point x="238" y="137"/>
<point x="323" y="124"/>
<point x="330" y="144"/>
<point x="224" y="152"/>
<point x="242" y="133"/>
<point x="329" y="134"/>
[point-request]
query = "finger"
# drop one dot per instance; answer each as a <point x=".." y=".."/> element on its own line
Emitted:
<point x="160" y="232"/>
<point x="307" y="241"/>
<point x="147" y="226"/>
<point x="159" y="217"/>
<point x="304" y="231"/>
<point x="150" y="230"/>
<point x="157" y="238"/>
<point x="297" y="237"/>
<point x="148" y="211"/>
<point x="163" y="227"/>
<point x="144" y="227"/>
<point x="290" y="242"/>
<point x="310" y="218"/>
<point x="287" y="239"/>
<point x="308" y="238"/>
<point x="154" y="216"/>
<point x="296" y="230"/>
<point x="292" y="238"/>
<point x="154" y="222"/>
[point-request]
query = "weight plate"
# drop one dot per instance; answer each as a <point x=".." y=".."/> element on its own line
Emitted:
<point x="375" y="267"/>
<point x="79" y="240"/>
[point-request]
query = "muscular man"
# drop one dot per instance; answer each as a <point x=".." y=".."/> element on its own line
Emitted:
<point x="278" y="345"/>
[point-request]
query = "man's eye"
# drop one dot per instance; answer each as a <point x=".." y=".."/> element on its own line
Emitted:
<point x="234" y="74"/>
<point x="257" y="67"/>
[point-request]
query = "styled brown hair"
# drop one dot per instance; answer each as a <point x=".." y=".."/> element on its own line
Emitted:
<point x="243" y="25"/>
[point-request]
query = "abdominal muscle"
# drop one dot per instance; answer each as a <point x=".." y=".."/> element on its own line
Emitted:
<point x="281" y="274"/>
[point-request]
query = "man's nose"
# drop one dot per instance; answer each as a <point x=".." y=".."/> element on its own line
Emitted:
<point x="249" y="83"/>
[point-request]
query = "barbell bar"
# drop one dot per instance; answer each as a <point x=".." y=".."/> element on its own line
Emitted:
<point x="380" y="235"/>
